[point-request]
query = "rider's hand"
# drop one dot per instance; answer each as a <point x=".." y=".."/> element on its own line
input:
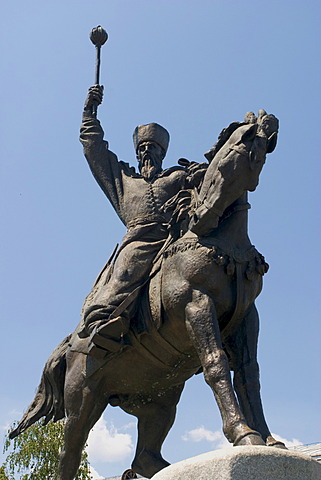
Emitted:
<point x="94" y="96"/>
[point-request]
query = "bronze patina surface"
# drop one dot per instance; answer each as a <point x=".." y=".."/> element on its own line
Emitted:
<point x="177" y="298"/>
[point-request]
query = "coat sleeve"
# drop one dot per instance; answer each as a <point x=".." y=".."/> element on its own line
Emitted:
<point x="104" y="164"/>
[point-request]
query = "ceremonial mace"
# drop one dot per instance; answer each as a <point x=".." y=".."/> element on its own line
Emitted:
<point x="98" y="36"/>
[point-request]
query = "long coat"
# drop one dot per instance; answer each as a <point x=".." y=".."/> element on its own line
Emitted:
<point x="138" y="203"/>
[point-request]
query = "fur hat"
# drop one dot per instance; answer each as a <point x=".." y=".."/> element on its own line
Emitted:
<point x="151" y="132"/>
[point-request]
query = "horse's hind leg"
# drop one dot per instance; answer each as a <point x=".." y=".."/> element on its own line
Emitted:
<point x="242" y="350"/>
<point x="202" y="325"/>
<point x="155" y="414"/>
<point x="83" y="408"/>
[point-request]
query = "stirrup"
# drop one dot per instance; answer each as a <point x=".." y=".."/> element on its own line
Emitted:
<point x="114" y="328"/>
<point x="96" y="339"/>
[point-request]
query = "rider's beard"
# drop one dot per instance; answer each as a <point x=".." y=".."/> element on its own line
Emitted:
<point x="150" y="166"/>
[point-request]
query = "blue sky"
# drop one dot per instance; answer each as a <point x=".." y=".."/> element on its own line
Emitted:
<point x="194" y="67"/>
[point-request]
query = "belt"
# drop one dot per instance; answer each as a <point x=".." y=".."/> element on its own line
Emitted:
<point x="145" y="220"/>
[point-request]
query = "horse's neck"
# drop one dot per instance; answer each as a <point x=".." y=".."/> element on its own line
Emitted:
<point x="233" y="225"/>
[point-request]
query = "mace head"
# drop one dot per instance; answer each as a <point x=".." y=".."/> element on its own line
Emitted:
<point x="98" y="36"/>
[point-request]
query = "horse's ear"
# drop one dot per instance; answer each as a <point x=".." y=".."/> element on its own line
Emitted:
<point x="250" y="133"/>
<point x="271" y="144"/>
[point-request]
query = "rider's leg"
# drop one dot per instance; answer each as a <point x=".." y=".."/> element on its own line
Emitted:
<point x="242" y="350"/>
<point x="156" y="414"/>
<point x="130" y="271"/>
<point x="202" y="325"/>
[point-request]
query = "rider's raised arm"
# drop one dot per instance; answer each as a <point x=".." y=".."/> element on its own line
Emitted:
<point x="96" y="148"/>
<point x="104" y="164"/>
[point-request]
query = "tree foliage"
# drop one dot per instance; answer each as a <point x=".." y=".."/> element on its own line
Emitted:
<point x="3" y="475"/>
<point x="34" y="454"/>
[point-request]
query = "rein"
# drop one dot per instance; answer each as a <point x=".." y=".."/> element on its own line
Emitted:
<point x="241" y="150"/>
<point x="233" y="209"/>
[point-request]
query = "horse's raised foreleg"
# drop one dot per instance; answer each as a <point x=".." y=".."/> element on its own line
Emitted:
<point x="242" y="350"/>
<point x="203" y="328"/>
<point x="155" y="414"/>
<point x="84" y="407"/>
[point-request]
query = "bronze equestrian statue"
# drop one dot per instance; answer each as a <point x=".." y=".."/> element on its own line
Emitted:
<point x="189" y="308"/>
<point x="138" y="199"/>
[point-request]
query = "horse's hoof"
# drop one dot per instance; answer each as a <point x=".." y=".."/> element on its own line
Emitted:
<point x="128" y="474"/>
<point x="251" y="438"/>
<point x="277" y="445"/>
<point x="148" y="463"/>
<point x="271" y="442"/>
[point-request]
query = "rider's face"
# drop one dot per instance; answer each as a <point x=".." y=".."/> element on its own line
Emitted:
<point x="150" y="156"/>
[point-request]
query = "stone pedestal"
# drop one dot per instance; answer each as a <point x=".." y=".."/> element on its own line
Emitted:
<point x="244" y="463"/>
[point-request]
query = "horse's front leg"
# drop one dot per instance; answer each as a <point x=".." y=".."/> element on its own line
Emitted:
<point x="242" y="350"/>
<point x="202" y="325"/>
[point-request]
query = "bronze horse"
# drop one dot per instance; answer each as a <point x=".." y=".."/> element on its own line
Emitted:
<point x="204" y="318"/>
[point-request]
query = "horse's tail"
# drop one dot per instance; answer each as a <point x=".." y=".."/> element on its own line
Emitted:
<point x="49" y="399"/>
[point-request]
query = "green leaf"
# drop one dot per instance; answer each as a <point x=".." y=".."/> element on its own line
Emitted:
<point x="34" y="454"/>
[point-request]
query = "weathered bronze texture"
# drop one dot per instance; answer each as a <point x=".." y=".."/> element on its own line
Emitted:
<point x="99" y="37"/>
<point x="177" y="297"/>
<point x="128" y="474"/>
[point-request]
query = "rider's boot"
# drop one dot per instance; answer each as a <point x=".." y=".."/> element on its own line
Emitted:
<point x="108" y="335"/>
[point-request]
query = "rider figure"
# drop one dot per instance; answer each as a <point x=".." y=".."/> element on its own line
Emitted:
<point x="138" y="199"/>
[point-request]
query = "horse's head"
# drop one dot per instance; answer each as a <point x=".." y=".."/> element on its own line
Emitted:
<point x="268" y="127"/>
<point x="236" y="161"/>
<point x="264" y="142"/>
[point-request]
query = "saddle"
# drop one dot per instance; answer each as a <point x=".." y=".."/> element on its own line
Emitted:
<point x="144" y="327"/>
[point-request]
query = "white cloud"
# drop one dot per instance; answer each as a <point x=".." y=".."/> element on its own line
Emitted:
<point x="95" y="475"/>
<point x="5" y="427"/>
<point x="218" y="440"/>
<point x="201" y="433"/>
<point x="107" y="444"/>
<point x="127" y="426"/>
<point x="223" y="443"/>
<point x="288" y="443"/>
<point x="10" y="418"/>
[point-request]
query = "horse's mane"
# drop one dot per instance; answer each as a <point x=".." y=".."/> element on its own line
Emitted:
<point x="222" y="139"/>
<point x="227" y="132"/>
